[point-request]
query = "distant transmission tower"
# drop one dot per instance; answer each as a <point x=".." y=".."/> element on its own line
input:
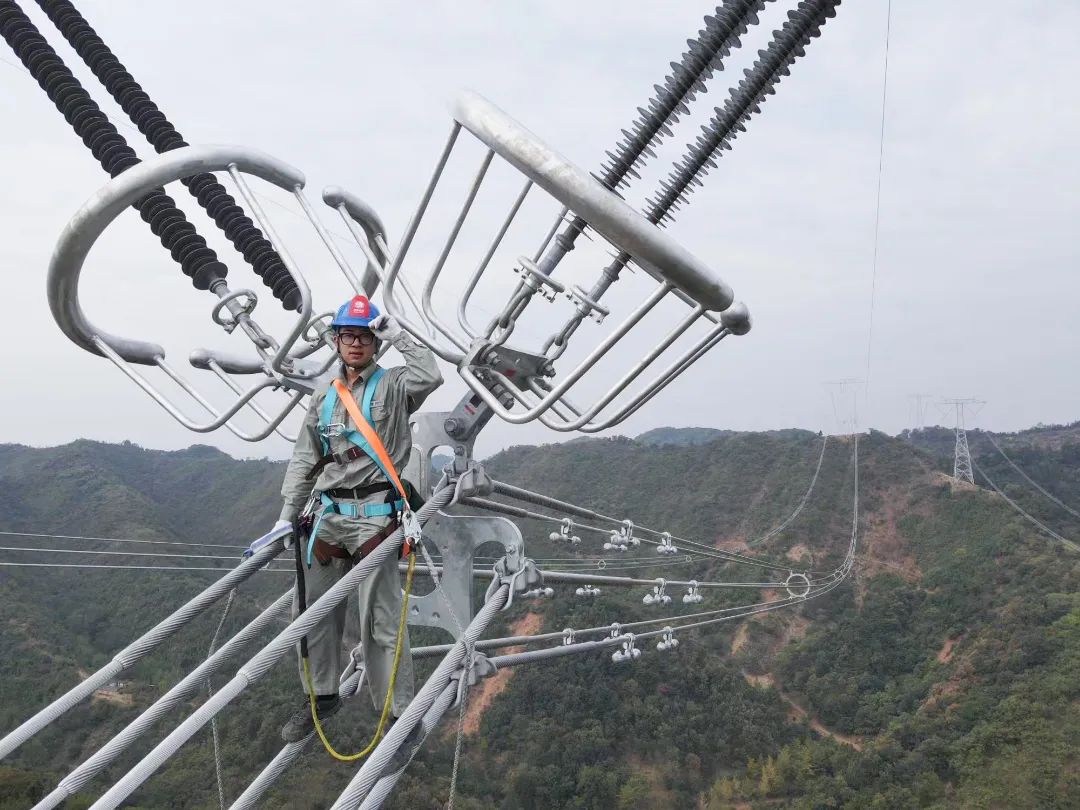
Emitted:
<point x="847" y="421"/>
<point x="920" y="409"/>
<point x="962" y="457"/>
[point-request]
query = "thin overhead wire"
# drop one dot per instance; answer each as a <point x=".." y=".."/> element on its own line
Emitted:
<point x="877" y="196"/>
<point x="516" y="511"/>
<point x="1028" y="478"/>
<point x="619" y="565"/>
<point x="800" y="506"/>
<point x="518" y="493"/>
<point x="117" y="540"/>
<point x="130" y="567"/>
<point x="1042" y="526"/>
<point x="120" y="553"/>
<point x="514" y="641"/>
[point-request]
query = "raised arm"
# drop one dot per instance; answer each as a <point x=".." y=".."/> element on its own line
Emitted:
<point x="420" y="375"/>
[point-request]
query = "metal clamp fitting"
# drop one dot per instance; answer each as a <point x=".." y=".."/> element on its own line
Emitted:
<point x="628" y="652"/>
<point x="591" y="308"/>
<point x="536" y="280"/>
<point x="246" y="307"/>
<point x="667" y="641"/>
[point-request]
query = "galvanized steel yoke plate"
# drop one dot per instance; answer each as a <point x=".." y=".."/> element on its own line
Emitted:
<point x="515" y="365"/>
<point x="457" y="537"/>
<point x="429" y="431"/>
<point x="656" y="252"/>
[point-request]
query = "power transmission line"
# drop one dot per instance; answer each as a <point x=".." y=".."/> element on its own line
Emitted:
<point x="118" y="553"/>
<point x="920" y="409"/>
<point x="1043" y="527"/>
<point x="877" y="195"/>
<point x="1028" y="478"/>
<point x="128" y="567"/>
<point x="117" y="540"/>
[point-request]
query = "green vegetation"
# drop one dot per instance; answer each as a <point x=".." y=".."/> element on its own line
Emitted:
<point x="942" y="675"/>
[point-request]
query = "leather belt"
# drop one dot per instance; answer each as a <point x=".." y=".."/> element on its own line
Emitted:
<point x="358" y="493"/>
<point x="324" y="552"/>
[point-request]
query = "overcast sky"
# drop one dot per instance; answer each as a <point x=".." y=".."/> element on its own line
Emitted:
<point x="977" y="284"/>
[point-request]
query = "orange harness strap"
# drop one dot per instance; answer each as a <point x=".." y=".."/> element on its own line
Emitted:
<point x="372" y="438"/>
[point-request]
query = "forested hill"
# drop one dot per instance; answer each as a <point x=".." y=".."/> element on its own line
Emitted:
<point x="942" y="675"/>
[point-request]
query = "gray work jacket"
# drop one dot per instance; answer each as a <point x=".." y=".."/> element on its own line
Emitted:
<point x="400" y="392"/>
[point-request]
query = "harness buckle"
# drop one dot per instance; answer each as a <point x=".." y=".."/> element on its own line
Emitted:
<point x="333" y="430"/>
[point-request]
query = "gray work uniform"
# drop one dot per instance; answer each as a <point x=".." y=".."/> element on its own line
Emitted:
<point x="399" y="393"/>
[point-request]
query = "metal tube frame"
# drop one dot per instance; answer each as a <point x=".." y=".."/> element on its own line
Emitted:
<point x="436" y="271"/>
<point x="463" y="302"/>
<point x="108" y="203"/>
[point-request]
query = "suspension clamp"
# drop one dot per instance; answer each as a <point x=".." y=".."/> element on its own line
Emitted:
<point x="472" y="481"/>
<point x="516" y="366"/>
<point x="356" y="664"/>
<point x="517" y="571"/>
<point x="538" y="593"/>
<point x="657" y="595"/>
<point x="481" y="667"/>
<point x="667" y="641"/>
<point x="692" y="595"/>
<point x="628" y="652"/>
<point x="666" y="546"/>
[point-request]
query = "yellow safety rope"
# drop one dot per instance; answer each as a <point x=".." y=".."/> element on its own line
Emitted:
<point x="388" y="702"/>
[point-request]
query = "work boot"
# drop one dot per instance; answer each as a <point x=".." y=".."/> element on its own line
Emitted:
<point x="300" y="725"/>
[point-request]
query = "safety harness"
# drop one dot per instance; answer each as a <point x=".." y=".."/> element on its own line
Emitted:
<point x="365" y="441"/>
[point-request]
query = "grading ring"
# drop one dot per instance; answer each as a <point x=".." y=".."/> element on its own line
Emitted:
<point x="797" y="585"/>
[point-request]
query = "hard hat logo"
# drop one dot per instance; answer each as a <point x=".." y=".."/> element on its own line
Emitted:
<point x="359" y="307"/>
<point x="358" y="311"/>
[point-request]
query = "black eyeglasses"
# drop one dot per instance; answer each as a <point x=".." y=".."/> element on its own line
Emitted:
<point x="352" y="338"/>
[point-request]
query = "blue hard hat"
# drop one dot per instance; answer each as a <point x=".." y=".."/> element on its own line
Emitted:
<point x="357" y="311"/>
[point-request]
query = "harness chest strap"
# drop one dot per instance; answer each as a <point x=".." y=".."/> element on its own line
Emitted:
<point x="326" y="417"/>
<point x="372" y="445"/>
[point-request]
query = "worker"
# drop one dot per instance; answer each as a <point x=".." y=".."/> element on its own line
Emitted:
<point x="332" y="480"/>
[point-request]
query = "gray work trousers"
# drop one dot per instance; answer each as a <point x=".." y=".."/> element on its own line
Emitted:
<point x="378" y="615"/>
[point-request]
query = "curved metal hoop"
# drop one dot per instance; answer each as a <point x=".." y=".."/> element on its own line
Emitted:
<point x="111" y="200"/>
<point x="656" y="252"/>
<point x="797" y="585"/>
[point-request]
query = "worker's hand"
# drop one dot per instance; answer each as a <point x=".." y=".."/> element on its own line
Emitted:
<point x="287" y="540"/>
<point x="385" y="327"/>
<point x="265" y="540"/>
<point x="282" y="524"/>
